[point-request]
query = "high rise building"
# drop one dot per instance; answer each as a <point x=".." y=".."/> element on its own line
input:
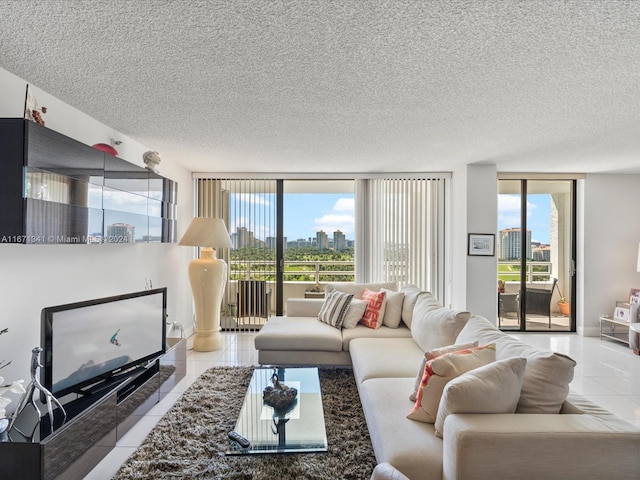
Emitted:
<point x="339" y="240"/>
<point x="509" y="244"/>
<point x="120" y="233"/>
<point x="322" y="240"/>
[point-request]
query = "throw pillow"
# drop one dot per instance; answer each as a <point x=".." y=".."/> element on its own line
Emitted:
<point x="439" y="371"/>
<point x="334" y="308"/>
<point x="411" y="295"/>
<point x="354" y="313"/>
<point x="374" y="313"/>
<point x="438" y="352"/>
<point x="357" y="288"/>
<point x="494" y="388"/>
<point x="392" y="308"/>
<point x="434" y="326"/>
<point x="545" y="385"/>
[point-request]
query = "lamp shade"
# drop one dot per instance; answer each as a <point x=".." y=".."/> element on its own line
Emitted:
<point x="206" y="232"/>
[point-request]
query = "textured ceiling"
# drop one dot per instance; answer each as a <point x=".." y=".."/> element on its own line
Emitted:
<point x="345" y="86"/>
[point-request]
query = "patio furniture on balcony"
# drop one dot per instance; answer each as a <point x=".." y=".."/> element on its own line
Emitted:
<point x="254" y="299"/>
<point x="507" y="303"/>
<point x="538" y="301"/>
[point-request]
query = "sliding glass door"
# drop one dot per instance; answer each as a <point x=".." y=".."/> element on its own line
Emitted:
<point x="536" y="254"/>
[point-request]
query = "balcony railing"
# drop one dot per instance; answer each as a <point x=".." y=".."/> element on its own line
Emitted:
<point x="536" y="272"/>
<point x="313" y="271"/>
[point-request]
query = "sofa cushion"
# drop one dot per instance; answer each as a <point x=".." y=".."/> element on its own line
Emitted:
<point x="393" y="308"/>
<point x="479" y="329"/>
<point x="384" y="357"/>
<point x="411" y="295"/>
<point x="440" y="371"/>
<point x="409" y="446"/>
<point x="434" y="326"/>
<point x="545" y="385"/>
<point x="354" y="313"/>
<point x="298" y="333"/>
<point x="374" y="313"/>
<point x="430" y="355"/>
<point x="358" y="288"/>
<point x="334" y="308"/>
<point x="493" y="388"/>
<point x="360" y="331"/>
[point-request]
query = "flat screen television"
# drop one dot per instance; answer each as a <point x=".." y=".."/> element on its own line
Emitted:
<point x="88" y="343"/>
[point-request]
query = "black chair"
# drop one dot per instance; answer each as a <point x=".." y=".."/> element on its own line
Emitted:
<point x="538" y="300"/>
<point x="507" y="303"/>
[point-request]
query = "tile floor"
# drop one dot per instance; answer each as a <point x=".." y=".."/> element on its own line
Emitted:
<point x="608" y="373"/>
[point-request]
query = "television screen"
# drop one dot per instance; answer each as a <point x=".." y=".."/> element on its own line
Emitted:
<point x="89" y="341"/>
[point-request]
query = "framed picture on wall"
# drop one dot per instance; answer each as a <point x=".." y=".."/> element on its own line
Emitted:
<point x="634" y="295"/>
<point x="482" y="244"/>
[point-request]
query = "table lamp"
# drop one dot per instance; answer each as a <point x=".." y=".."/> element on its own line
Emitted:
<point x="207" y="275"/>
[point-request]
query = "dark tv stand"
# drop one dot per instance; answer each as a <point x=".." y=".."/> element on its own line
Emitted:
<point x="95" y="422"/>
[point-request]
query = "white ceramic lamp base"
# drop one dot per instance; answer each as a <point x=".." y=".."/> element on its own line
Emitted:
<point x="207" y="275"/>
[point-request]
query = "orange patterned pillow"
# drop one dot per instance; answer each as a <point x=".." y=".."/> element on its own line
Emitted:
<point x="374" y="313"/>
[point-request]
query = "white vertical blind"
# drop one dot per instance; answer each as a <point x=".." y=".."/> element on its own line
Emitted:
<point x="401" y="231"/>
<point x="248" y="207"/>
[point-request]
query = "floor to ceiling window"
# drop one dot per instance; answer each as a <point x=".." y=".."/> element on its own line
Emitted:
<point x="536" y="254"/>
<point x="292" y="236"/>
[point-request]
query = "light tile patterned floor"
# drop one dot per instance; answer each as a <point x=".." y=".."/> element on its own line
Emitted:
<point x="607" y="372"/>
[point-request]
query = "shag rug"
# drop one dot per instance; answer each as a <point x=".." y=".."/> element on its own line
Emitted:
<point x="190" y="441"/>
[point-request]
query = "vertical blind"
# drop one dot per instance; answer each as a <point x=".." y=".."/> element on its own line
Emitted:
<point x="401" y="231"/>
<point x="248" y="207"/>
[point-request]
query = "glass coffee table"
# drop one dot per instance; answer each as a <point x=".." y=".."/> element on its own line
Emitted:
<point x="301" y="430"/>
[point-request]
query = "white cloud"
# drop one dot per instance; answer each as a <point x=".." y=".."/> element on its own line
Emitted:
<point x="509" y="210"/>
<point x="252" y="199"/>
<point x="341" y="217"/>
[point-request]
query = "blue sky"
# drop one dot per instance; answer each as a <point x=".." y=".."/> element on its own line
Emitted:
<point x="538" y="214"/>
<point x="305" y="214"/>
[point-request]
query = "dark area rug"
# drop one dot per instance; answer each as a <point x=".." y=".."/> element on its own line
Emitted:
<point x="190" y="441"/>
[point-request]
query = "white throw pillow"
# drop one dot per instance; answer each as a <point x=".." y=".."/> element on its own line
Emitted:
<point x="434" y="326"/>
<point x="494" y="388"/>
<point x="334" y="308"/>
<point x="439" y="372"/>
<point x="546" y="380"/>
<point x="393" y="308"/>
<point x="354" y="313"/>
<point x="411" y="295"/>
<point x="358" y="288"/>
<point x="438" y="352"/>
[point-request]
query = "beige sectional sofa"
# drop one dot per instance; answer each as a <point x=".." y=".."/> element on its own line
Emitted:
<point x="561" y="435"/>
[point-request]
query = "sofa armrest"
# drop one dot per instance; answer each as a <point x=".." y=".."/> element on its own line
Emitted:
<point x="304" y="307"/>
<point x="385" y="471"/>
<point x="508" y="446"/>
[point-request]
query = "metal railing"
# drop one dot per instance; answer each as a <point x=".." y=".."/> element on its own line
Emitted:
<point x="536" y="272"/>
<point x="314" y="271"/>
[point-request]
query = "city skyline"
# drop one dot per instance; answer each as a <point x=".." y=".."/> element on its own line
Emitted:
<point x="307" y="214"/>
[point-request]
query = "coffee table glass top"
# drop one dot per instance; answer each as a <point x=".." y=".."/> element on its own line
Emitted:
<point x="301" y="430"/>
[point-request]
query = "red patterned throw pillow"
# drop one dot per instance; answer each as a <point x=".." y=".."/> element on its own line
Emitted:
<point x="374" y="313"/>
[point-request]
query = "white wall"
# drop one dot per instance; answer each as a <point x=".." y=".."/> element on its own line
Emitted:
<point x="482" y="217"/>
<point x="36" y="276"/>
<point x="608" y="252"/>
<point x="474" y="210"/>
